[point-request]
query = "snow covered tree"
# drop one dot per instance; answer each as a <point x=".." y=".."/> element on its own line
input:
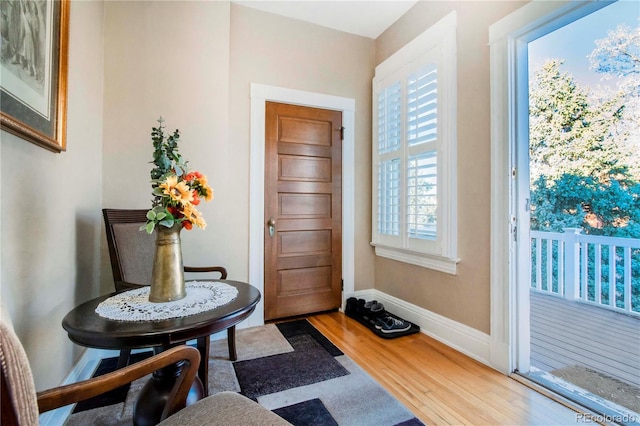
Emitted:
<point x="617" y="58"/>
<point x="567" y="135"/>
<point x="585" y="142"/>
<point x="618" y="54"/>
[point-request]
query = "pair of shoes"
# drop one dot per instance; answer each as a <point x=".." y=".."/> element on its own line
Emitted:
<point x="391" y="324"/>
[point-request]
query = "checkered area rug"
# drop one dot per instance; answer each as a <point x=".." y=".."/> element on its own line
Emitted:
<point x="290" y="368"/>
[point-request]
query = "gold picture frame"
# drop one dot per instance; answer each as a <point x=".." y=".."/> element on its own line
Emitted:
<point x="33" y="81"/>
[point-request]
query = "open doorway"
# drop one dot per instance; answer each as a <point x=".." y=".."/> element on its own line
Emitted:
<point x="513" y="268"/>
<point x="581" y="210"/>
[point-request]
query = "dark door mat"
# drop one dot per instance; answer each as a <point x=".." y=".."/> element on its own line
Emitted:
<point x="369" y="321"/>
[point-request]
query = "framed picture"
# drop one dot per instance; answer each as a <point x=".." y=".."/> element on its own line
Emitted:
<point x="33" y="70"/>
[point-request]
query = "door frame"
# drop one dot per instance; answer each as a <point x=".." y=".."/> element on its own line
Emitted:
<point x="260" y="94"/>
<point x="510" y="276"/>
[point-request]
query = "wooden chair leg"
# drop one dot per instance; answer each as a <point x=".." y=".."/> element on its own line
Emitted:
<point x="231" y="341"/>
<point x="204" y="344"/>
<point x="123" y="359"/>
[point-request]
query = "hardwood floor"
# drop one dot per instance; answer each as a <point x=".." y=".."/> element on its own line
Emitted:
<point x="438" y="384"/>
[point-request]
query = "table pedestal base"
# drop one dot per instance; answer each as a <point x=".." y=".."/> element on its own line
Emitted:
<point x="155" y="394"/>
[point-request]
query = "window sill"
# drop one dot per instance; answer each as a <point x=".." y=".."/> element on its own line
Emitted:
<point x="439" y="263"/>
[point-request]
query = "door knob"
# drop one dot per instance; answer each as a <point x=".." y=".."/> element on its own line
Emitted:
<point x="272" y="226"/>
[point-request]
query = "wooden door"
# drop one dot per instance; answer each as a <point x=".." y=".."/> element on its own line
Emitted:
<point x="303" y="210"/>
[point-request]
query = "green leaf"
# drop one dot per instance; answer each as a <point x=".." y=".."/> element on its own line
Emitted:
<point x="161" y="215"/>
<point x="150" y="227"/>
<point x="151" y="215"/>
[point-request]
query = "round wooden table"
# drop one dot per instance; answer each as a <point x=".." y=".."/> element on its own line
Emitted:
<point x="85" y="327"/>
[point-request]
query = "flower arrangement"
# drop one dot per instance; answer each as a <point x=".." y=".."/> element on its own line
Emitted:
<point x="176" y="191"/>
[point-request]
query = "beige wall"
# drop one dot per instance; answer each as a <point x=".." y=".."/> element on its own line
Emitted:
<point x="283" y="52"/>
<point x="171" y="59"/>
<point x="197" y="76"/>
<point x="50" y="212"/>
<point x="465" y="297"/>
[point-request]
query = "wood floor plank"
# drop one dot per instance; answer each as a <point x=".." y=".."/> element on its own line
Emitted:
<point x="440" y="385"/>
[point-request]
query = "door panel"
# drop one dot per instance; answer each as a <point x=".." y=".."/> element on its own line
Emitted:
<point x="305" y="205"/>
<point x="304" y="243"/>
<point x="303" y="184"/>
<point x="300" y="281"/>
<point x="298" y="168"/>
<point x="308" y="132"/>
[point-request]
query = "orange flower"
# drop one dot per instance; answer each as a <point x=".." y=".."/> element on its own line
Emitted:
<point x="208" y="191"/>
<point x="193" y="176"/>
<point x="187" y="225"/>
<point x="194" y="216"/>
<point x="177" y="191"/>
<point x="196" y="198"/>
<point x="199" y="220"/>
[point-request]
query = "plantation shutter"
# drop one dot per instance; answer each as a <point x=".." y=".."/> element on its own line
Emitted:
<point x="422" y="111"/>
<point x="389" y="148"/>
<point x="390" y="118"/>
<point x="422" y="164"/>
<point x="389" y="197"/>
<point x="422" y="199"/>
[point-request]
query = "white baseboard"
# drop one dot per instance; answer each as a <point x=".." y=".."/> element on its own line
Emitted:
<point x="462" y="338"/>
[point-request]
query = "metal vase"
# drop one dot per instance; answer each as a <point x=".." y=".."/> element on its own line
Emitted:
<point x="167" y="278"/>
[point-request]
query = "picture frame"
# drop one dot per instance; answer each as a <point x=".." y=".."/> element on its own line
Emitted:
<point x="33" y="75"/>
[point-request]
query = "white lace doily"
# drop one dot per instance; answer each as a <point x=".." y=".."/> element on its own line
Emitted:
<point x="134" y="305"/>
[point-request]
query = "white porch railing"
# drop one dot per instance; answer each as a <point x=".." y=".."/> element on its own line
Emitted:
<point x="586" y="268"/>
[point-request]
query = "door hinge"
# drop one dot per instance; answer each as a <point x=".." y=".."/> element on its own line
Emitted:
<point x="514" y="172"/>
<point x="342" y="284"/>
<point x="341" y="133"/>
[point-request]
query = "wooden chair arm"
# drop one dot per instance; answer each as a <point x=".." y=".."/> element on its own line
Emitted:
<point x="221" y="269"/>
<point x="69" y="394"/>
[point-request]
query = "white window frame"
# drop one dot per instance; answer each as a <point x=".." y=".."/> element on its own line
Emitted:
<point x="436" y="45"/>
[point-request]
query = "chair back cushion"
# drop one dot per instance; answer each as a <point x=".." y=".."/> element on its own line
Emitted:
<point x="18" y="387"/>
<point x="136" y="250"/>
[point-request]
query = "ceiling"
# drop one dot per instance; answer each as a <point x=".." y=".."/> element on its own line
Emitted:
<point x="367" y="18"/>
